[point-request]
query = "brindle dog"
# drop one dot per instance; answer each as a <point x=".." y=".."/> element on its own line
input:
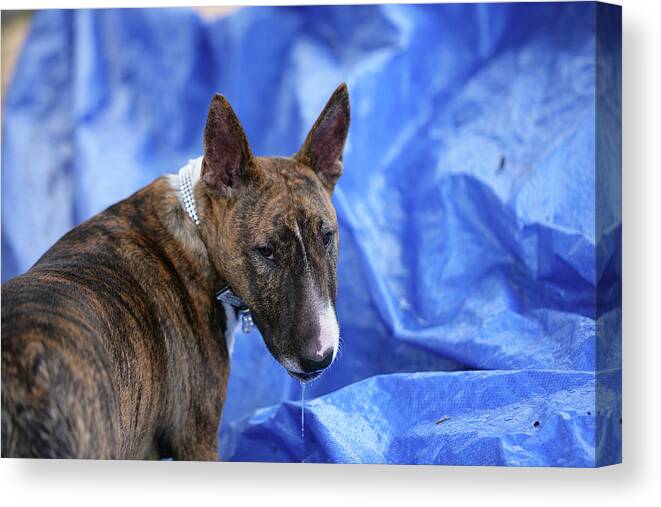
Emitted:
<point x="113" y="345"/>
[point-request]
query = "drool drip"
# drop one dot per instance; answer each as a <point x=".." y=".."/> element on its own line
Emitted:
<point x="302" y="411"/>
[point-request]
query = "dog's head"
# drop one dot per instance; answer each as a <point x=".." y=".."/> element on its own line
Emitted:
<point x="274" y="236"/>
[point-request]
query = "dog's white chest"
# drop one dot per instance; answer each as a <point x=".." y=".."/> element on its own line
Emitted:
<point x="232" y="326"/>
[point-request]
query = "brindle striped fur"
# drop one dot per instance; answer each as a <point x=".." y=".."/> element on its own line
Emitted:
<point x="113" y="344"/>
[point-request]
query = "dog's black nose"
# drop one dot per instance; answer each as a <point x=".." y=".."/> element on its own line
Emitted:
<point x="310" y="365"/>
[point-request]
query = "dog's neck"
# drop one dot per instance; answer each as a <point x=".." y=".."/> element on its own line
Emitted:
<point x="177" y="221"/>
<point x="185" y="184"/>
<point x="190" y="211"/>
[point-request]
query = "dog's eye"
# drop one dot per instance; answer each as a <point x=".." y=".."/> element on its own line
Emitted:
<point x="328" y="237"/>
<point x="266" y="252"/>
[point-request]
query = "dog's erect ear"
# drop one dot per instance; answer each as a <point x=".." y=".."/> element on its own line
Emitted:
<point x="323" y="147"/>
<point x="226" y="151"/>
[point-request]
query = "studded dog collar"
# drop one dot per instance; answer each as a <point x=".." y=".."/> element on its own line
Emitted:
<point x="226" y="294"/>
<point x="186" y="189"/>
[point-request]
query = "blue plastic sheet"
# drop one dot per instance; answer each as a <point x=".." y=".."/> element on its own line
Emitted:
<point x="480" y="255"/>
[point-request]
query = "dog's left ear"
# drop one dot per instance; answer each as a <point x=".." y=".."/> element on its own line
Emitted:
<point x="323" y="147"/>
<point x="227" y="156"/>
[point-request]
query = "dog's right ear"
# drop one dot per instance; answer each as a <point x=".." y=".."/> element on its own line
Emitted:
<point x="323" y="147"/>
<point x="227" y="155"/>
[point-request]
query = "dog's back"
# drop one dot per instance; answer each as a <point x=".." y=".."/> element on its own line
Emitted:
<point x="54" y="401"/>
<point x="89" y="354"/>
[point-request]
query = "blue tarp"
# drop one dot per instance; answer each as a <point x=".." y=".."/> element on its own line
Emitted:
<point x="480" y="258"/>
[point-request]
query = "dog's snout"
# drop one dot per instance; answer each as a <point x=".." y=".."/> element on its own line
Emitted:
<point x="312" y="343"/>
<point x="317" y="362"/>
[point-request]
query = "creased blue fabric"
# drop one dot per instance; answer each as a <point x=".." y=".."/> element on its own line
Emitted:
<point x="476" y="281"/>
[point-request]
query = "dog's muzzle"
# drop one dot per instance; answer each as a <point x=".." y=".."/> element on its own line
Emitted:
<point x="311" y="368"/>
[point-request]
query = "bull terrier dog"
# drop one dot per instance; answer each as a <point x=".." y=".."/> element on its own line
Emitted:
<point x="114" y="344"/>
